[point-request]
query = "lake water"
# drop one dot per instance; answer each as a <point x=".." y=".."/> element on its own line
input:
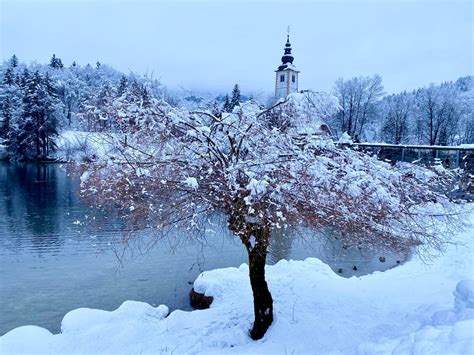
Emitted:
<point x="50" y="263"/>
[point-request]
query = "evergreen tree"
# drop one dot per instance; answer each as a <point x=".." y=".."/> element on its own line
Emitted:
<point x="40" y="102"/>
<point x="122" y="86"/>
<point x="38" y="123"/>
<point x="55" y="62"/>
<point x="25" y="76"/>
<point x="6" y="118"/>
<point x="97" y="64"/>
<point x="227" y="106"/>
<point x="14" y="61"/>
<point x="9" y="77"/>
<point x="18" y="80"/>
<point x="23" y="136"/>
<point x="235" y="100"/>
<point x="50" y="89"/>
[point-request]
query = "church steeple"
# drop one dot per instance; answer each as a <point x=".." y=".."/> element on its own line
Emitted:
<point x="287" y="57"/>
<point x="286" y="74"/>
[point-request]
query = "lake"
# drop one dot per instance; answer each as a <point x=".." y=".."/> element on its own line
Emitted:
<point x="51" y="262"/>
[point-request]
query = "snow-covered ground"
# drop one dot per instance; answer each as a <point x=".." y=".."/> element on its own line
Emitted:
<point x="417" y="308"/>
<point x="80" y="145"/>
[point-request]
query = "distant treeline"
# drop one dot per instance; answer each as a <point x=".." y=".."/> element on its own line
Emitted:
<point x="435" y="115"/>
<point x="37" y="101"/>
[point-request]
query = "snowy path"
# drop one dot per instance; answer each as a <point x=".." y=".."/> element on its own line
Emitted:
<point x="406" y="310"/>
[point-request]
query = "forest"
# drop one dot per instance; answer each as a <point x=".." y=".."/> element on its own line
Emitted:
<point x="39" y="101"/>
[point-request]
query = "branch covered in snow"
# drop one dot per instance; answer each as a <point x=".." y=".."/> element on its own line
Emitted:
<point x="174" y="165"/>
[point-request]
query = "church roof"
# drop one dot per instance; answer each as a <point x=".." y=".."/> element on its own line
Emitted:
<point x="287" y="59"/>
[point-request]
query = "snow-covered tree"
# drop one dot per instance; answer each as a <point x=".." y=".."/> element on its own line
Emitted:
<point x="55" y="62"/>
<point x="395" y="112"/>
<point x="465" y="132"/>
<point x="73" y="92"/>
<point x="6" y="118"/>
<point x="177" y="167"/>
<point x="38" y="124"/>
<point x="235" y="98"/>
<point x="9" y="77"/>
<point x="122" y="85"/>
<point x="95" y="110"/>
<point x="227" y="107"/>
<point x="10" y="101"/>
<point x="216" y="110"/>
<point x="357" y="98"/>
<point x="437" y="114"/>
<point x="14" y="61"/>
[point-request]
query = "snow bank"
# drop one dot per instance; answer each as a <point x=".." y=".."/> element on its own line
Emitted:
<point x="412" y="309"/>
<point x="79" y="145"/>
<point x="345" y="139"/>
<point x="447" y="332"/>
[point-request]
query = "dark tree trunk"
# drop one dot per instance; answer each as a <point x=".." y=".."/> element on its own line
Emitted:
<point x="255" y="237"/>
<point x="262" y="299"/>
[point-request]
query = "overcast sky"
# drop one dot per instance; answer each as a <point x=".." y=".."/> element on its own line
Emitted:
<point x="210" y="45"/>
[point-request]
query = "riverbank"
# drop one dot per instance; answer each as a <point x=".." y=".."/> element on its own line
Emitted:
<point x="73" y="146"/>
<point x="415" y="308"/>
<point x="82" y="146"/>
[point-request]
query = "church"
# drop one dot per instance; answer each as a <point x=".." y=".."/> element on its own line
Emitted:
<point x="286" y="80"/>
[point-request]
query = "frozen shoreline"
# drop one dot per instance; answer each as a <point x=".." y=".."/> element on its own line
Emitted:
<point x="409" y="309"/>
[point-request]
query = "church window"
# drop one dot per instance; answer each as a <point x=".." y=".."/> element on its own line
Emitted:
<point x="282" y="78"/>
<point x="293" y="78"/>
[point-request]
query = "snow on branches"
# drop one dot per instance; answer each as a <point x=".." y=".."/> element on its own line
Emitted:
<point x="263" y="169"/>
<point x="245" y="165"/>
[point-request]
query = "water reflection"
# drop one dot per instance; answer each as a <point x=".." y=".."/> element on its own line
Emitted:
<point x="29" y="201"/>
<point x="50" y="263"/>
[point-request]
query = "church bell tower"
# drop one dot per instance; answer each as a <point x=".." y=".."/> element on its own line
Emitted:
<point x="286" y="80"/>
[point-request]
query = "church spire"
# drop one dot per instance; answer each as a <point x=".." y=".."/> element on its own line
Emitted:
<point x="287" y="56"/>
<point x="286" y="80"/>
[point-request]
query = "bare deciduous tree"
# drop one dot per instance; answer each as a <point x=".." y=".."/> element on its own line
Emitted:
<point x="357" y="97"/>
<point x="396" y="111"/>
<point x="437" y="114"/>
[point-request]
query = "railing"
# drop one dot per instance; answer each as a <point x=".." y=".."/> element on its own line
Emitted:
<point x="450" y="156"/>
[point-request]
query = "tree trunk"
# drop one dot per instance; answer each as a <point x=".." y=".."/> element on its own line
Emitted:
<point x="262" y="299"/>
<point x="255" y="237"/>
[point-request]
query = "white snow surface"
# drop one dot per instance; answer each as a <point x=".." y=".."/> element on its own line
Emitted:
<point x="191" y="182"/>
<point x="416" y="308"/>
<point x="345" y="138"/>
<point x="79" y="145"/>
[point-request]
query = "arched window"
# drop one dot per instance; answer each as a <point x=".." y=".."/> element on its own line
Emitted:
<point x="282" y="78"/>
<point x="293" y="78"/>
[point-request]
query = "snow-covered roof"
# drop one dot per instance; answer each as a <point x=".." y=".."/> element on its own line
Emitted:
<point x="287" y="66"/>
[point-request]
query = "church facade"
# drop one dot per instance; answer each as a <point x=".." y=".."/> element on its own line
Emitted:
<point x="286" y="80"/>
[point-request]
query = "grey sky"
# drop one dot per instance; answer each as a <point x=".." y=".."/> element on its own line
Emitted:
<point x="210" y="45"/>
